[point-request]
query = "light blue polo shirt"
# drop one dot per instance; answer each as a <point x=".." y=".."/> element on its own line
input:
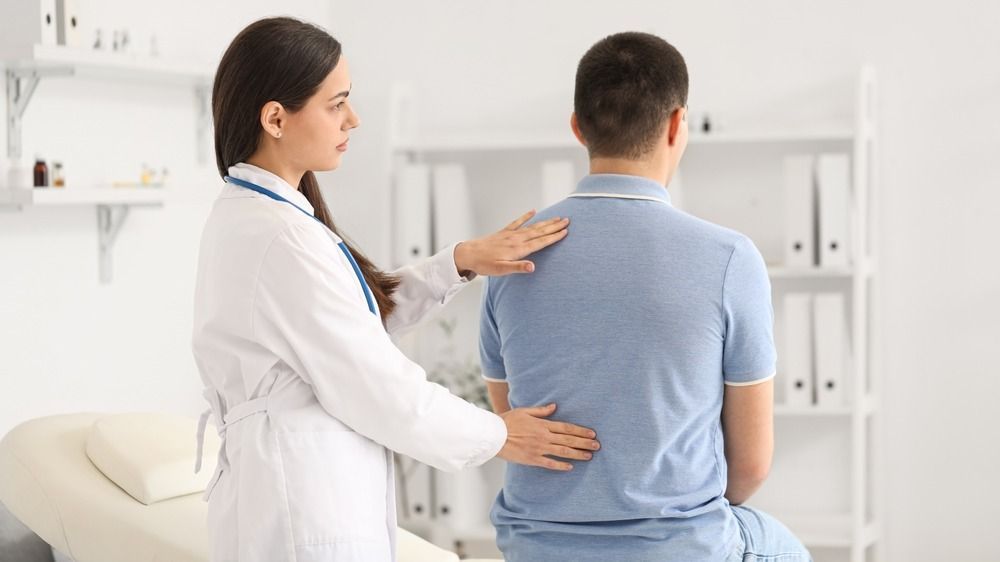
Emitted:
<point x="632" y="324"/>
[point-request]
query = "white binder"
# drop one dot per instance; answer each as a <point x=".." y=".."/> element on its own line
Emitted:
<point x="26" y="23"/>
<point x="831" y="349"/>
<point x="463" y="499"/>
<point x="414" y="501"/>
<point x="800" y="211"/>
<point x="452" y="207"/>
<point x="833" y="185"/>
<point x="412" y="214"/>
<point x="798" y="350"/>
<point x="68" y="23"/>
<point x="558" y="181"/>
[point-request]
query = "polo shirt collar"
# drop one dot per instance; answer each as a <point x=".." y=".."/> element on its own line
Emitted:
<point x="621" y="186"/>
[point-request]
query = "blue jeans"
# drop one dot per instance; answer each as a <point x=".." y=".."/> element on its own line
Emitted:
<point x="765" y="539"/>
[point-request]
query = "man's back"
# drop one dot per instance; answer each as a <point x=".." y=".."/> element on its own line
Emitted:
<point x="632" y="324"/>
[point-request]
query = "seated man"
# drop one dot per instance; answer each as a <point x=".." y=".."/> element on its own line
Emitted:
<point x="652" y="327"/>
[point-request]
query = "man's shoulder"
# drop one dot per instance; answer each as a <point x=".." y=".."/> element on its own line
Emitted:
<point x="708" y="231"/>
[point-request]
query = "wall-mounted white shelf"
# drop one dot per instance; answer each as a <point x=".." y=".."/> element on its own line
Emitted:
<point x="868" y="408"/>
<point x="541" y="141"/>
<point x="864" y="269"/>
<point x="782" y="272"/>
<point x="112" y="203"/>
<point x="480" y="143"/>
<point x="110" y="65"/>
<point x="55" y="196"/>
<point x="773" y="136"/>
<point x="24" y="69"/>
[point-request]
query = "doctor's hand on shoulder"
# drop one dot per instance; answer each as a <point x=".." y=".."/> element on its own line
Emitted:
<point x="503" y="252"/>
<point x="531" y="439"/>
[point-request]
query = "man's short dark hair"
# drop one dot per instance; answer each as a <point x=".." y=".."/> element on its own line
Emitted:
<point x="627" y="86"/>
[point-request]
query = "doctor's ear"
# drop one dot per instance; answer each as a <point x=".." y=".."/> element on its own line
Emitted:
<point x="272" y="118"/>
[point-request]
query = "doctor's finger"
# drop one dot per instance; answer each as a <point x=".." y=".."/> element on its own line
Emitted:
<point x="543" y="228"/>
<point x="508" y="267"/>
<point x="564" y="452"/>
<point x="571" y="429"/>
<point x="520" y="221"/>
<point x="540" y="411"/>
<point x="546" y="226"/>
<point x="552" y="464"/>
<point x="532" y="246"/>
<point x="582" y="443"/>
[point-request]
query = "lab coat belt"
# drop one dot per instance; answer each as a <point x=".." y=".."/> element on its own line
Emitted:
<point x="233" y="416"/>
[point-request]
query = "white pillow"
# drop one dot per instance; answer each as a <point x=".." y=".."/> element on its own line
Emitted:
<point x="151" y="456"/>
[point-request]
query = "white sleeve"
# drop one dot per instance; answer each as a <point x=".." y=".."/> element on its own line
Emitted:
<point x="308" y="311"/>
<point x="423" y="288"/>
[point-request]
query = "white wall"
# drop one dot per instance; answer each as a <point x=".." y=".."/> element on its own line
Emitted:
<point x="70" y="344"/>
<point x="509" y="66"/>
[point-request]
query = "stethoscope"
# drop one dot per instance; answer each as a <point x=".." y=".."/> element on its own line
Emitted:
<point x="343" y="247"/>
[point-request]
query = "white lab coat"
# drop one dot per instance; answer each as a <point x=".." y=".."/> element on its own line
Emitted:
<point x="311" y="393"/>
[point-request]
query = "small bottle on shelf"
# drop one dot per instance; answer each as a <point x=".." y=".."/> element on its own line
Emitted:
<point x="41" y="173"/>
<point x="57" y="175"/>
<point x="146" y="177"/>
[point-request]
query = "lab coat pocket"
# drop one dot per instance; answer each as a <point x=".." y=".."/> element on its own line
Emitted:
<point x="336" y="486"/>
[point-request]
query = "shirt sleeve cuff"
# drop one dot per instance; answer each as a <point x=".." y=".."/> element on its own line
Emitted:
<point x="447" y="281"/>
<point x="753" y="380"/>
<point x="492" y="443"/>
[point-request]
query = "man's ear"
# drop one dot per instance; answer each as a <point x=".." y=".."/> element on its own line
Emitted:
<point x="272" y="118"/>
<point x="675" y="123"/>
<point x="576" y="129"/>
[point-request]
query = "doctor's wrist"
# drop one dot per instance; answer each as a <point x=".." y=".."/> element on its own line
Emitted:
<point x="463" y="256"/>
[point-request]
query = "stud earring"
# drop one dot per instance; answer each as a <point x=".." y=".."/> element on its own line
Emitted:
<point x="278" y="135"/>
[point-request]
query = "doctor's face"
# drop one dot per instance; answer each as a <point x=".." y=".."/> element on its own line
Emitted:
<point x="316" y="135"/>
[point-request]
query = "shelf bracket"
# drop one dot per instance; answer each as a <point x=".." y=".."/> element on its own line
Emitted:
<point x="21" y="85"/>
<point x="109" y="224"/>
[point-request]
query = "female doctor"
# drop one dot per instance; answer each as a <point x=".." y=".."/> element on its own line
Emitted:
<point x="292" y="324"/>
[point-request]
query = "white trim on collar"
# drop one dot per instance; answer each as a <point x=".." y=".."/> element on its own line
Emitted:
<point x="620" y="196"/>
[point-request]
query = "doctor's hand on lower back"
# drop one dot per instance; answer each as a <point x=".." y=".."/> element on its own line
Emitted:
<point x="503" y="252"/>
<point x="532" y="440"/>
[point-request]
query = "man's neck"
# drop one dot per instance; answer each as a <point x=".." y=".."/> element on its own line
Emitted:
<point x="655" y="171"/>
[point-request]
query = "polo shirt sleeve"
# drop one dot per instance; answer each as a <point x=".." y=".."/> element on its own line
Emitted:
<point x="489" y="341"/>
<point x="748" y="355"/>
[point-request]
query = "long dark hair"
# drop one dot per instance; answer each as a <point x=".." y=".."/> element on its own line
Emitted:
<point x="283" y="60"/>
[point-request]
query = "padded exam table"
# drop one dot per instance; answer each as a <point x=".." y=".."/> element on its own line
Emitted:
<point x="50" y="480"/>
